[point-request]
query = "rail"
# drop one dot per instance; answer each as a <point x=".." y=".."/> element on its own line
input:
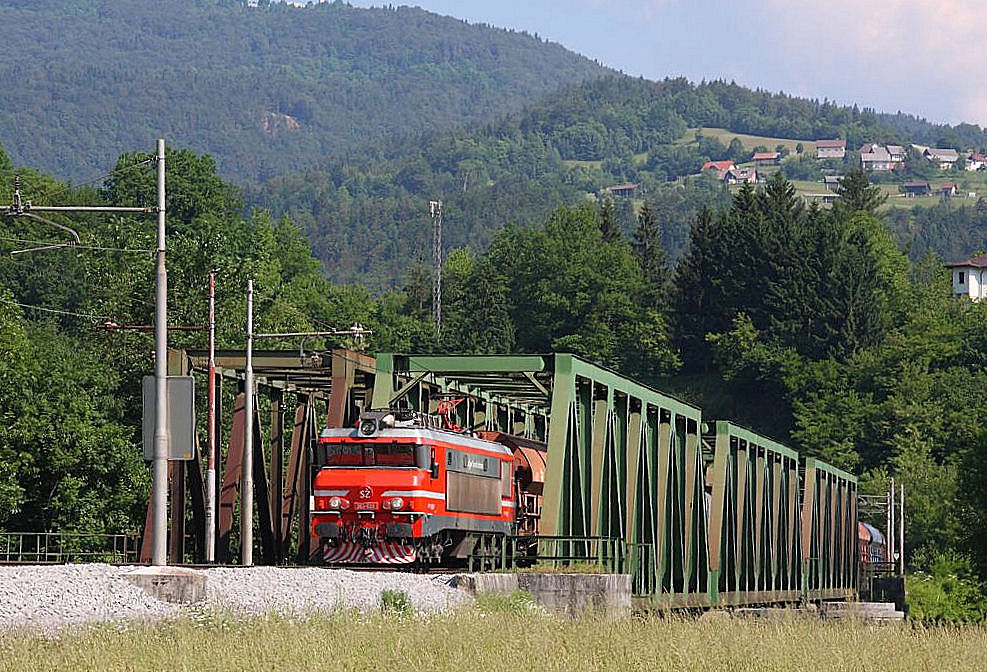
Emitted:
<point x="67" y="547"/>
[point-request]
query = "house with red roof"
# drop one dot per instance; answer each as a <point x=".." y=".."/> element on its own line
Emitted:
<point x="969" y="277"/>
<point x="947" y="190"/>
<point x="976" y="161"/>
<point x="719" y="165"/>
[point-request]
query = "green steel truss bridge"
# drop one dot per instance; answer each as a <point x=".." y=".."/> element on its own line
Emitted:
<point x="700" y="513"/>
<point x="709" y="514"/>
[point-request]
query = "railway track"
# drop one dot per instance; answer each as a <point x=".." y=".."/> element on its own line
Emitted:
<point x="358" y="568"/>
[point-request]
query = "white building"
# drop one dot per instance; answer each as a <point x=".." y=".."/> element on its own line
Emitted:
<point x="830" y="149"/>
<point x="898" y="155"/>
<point x="946" y="158"/>
<point x="875" y="158"/>
<point x="970" y="277"/>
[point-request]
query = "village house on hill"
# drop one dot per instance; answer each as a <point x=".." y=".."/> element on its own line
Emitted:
<point x="832" y="182"/>
<point x="765" y="159"/>
<point x="898" y="155"/>
<point x="830" y="149"/>
<point x="946" y="158"/>
<point x="948" y="190"/>
<point x="875" y="158"/>
<point x="626" y="190"/>
<point x="740" y="176"/>
<point x="912" y="189"/>
<point x="969" y="276"/>
<point x="721" y="167"/>
<point x="975" y="161"/>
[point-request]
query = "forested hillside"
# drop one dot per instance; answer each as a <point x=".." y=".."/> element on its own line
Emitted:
<point x="264" y="90"/>
<point x="366" y="211"/>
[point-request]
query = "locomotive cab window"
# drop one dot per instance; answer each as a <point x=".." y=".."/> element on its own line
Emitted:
<point x="374" y="455"/>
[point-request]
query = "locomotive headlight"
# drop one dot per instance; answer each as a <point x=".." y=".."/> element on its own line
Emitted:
<point x="397" y="503"/>
<point x="335" y="503"/>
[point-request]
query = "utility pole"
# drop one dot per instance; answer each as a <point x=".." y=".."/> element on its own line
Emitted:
<point x="159" y="483"/>
<point x="159" y="487"/>
<point x="247" y="473"/>
<point x="901" y="529"/>
<point x="892" y="557"/>
<point x="211" y="429"/>
<point x="435" y="210"/>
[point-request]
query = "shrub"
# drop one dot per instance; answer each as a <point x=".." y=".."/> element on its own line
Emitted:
<point x="947" y="591"/>
<point x="396" y="602"/>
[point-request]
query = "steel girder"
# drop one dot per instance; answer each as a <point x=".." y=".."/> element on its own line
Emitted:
<point x="624" y="462"/>
<point x="754" y="516"/>
<point x="829" y="531"/>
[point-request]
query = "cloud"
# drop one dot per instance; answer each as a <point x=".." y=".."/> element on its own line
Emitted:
<point x="930" y="53"/>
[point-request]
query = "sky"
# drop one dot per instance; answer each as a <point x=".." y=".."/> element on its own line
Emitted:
<point x="924" y="58"/>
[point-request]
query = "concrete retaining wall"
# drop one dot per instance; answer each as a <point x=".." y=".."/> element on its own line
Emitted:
<point x="170" y="584"/>
<point x="572" y="594"/>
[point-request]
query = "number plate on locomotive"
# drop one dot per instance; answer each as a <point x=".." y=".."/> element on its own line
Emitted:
<point x="365" y="506"/>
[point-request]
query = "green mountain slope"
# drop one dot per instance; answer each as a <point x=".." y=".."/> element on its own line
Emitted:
<point x="367" y="215"/>
<point x="366" y="212"/>
<point x="264" y="90"/>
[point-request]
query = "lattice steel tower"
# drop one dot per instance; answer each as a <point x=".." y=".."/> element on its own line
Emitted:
<point x="435" y="210"/>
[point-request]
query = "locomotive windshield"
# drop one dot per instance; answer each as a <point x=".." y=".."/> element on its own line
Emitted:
<point x="371" y="455"/>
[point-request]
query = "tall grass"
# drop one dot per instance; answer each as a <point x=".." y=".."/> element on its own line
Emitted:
<point x="508" y="639"/>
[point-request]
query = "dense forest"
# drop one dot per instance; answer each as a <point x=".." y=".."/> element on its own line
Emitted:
<point x="265" y="90"/>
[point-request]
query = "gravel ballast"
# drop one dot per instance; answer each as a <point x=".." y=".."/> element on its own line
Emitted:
<point x="49" y="596"/>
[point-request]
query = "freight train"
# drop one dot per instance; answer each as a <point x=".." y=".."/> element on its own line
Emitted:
<point x="405" y="487"/>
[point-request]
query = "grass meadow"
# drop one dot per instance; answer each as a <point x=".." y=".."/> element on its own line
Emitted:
<point x="503" y="636"/>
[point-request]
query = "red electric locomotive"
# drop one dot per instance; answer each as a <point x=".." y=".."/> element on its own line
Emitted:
<point x="406" y="487"/>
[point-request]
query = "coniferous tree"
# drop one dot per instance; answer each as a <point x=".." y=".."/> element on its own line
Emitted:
<point x="695" y="290"/>
<point x="857" y="193"/>
<point x="609" y="227"/>
<point x="651" y="254"/>
<point x="778" y="200"/>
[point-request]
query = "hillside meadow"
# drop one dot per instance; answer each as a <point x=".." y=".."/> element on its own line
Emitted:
<point x="500" y="638"/>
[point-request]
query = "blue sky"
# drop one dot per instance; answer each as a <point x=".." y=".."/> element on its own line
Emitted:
<point x="926" y="58"/>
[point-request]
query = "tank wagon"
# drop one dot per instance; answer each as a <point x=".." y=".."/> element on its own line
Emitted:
<point x="700" y="514"/>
